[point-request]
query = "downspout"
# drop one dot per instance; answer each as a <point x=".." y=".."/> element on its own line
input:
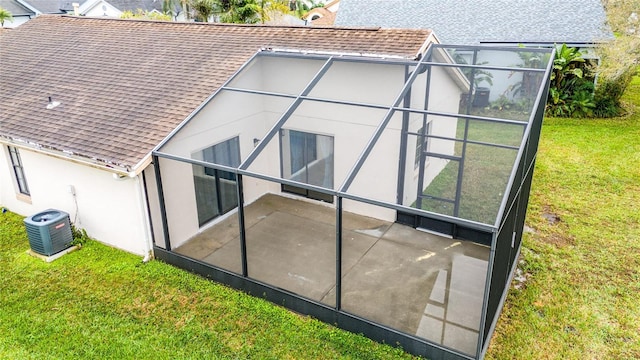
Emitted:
<point x="142" y="201"/>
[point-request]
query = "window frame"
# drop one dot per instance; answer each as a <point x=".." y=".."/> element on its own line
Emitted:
<point x="422" y="146"/>
<point x="310" y="194"/>
<point x="18" y="170"/>
<point x="232" y="147"/>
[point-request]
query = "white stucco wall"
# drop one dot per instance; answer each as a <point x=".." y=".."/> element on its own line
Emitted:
<point x="155" y="217"/>
<point x="250" y="117"/>
<point x="100" y="8"/>
<point x="16" y="21"/>
<point x="109" y="210"/>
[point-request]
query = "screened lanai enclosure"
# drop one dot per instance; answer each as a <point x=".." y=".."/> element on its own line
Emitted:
<point x="384" y="195"/>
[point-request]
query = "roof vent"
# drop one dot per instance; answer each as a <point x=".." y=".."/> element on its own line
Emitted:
<point x="52" y="104"/>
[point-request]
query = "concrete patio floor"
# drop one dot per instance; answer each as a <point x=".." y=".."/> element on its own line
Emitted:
<point x="417" y="282"/>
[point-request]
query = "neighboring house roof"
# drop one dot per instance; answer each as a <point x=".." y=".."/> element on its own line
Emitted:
<point x="124" y="85"/>
<point x="323" y="16"/>
<point x="22" y="7"/>
<point x="46" y="6"/>
<point x="133" y="5"/>
<point x="15" y="8"/>
<point x="477" y="21"/>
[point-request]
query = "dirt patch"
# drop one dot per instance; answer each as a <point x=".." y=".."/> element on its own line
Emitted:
<point x="558" y="239"/>
<point x="551" y="218"/>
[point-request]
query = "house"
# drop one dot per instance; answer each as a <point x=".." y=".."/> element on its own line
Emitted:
<point x="24" y="10"/>
<point x="502" y="22"/>
<point x="323" y="16"/>
<point x="580" y="24"/>
<point x="344" y="173"/>
<point x="95" y="8"/>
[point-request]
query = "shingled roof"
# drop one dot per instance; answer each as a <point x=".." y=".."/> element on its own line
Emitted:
<point x="124" y="85"/>
<point x="493" y="21"/>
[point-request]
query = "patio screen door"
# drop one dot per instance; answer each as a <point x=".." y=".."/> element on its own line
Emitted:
<point x="216" y="189"/>
<point x="307" y="158"/>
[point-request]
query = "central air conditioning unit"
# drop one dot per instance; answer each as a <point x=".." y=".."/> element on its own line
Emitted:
<point x="49" y="231"/>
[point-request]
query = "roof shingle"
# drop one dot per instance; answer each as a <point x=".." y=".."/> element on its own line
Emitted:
<point x="474" y="21"/>
<point x="124" y="85"/>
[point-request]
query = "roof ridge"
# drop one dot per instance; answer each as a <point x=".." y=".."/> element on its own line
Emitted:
<point x="180" y="23"/>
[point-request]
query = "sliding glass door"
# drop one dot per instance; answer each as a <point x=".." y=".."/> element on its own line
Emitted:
<point x="307" y="158"/>
<point x="216" y="189"/>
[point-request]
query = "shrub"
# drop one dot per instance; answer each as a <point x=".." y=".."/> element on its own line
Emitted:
<point x="571" y="89"/>
<point x="617" y="68"/>
<point x="80" y="236"/>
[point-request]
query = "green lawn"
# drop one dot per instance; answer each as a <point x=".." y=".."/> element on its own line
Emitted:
<point x="579" y="300"/>
<point x="102" y="303"/>
<point x="485" y="173"/>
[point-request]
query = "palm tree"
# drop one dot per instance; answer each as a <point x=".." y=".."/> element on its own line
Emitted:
<point x="240" y="11"/>
<point x="5" y="15"/>
<point x="203" y="9"/>
<point x="273" y="9"/>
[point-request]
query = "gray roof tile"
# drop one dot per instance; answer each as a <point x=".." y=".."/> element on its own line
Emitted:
<point x="475" y="21"/>
<point x="15" y="8"/>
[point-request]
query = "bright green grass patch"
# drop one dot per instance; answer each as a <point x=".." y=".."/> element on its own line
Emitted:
<point x="581" y="297"/>
<point x="485" y="172"/>
<point x="102" y="303"/>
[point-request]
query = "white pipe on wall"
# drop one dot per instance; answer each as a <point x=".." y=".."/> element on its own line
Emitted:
<point x="142" y="201"/>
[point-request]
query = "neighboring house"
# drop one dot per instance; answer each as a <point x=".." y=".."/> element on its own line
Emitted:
<point x="24" y="10"/>
<point x="579" y="23"/>
<point x="331" y="170"/>
<point x="471" y="22"/>
<point x="323" y="16"/>
<point x="96" y="8"/>
<point x="20" y="13"/>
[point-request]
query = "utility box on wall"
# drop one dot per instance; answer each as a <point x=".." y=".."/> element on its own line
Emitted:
<point x="49" y="231"/>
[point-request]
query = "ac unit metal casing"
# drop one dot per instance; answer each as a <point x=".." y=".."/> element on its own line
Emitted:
<point x="49" y="231"/>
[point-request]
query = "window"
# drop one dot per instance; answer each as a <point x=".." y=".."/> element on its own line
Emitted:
<point x="18" y="170"/>
<point x="422" y="144"/>
<point x="225" y="153"/>
<point x="216" y="189"/>
<point x="307" y="158"/>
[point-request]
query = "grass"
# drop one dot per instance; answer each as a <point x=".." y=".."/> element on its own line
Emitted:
<point x="102" y="303"/>
<point x="580" y="297"/>
<point x="577" y="297"/>
<point x="485" y="174"/>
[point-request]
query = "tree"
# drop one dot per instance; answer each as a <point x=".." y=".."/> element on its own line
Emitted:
<point x="204" y="9"/>
<point x="240" y="11"/>
<point x="619" y="57"/>
<point x="271" y="10"/>
<point x="623" y="16"/>
<point x="4" y="16"/>
<point x="146" y="15"/>
<point x="170" y="7"/>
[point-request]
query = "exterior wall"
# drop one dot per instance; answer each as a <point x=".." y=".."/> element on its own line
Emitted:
<point x="444" y="96"/>
<point x="109" y="210"/>
<point x="180" y="201"/>
<point x="250" y="117"/>
<point x="155" y="217"/>
<point x="16" y="21"/>
<point x="101" y="8"/>
<point x="229" y="115"/>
